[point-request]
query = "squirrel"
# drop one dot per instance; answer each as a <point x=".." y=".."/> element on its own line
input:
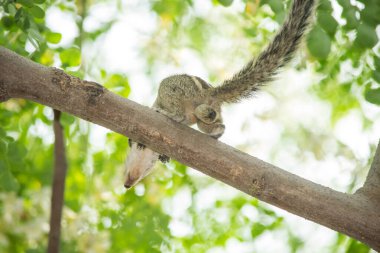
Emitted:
<point x="191" y="100"/>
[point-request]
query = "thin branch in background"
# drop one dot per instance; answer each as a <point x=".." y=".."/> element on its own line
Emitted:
<point x="374" y="172"/>
<point x="58" y="188"/>
<point x="371" y="187"/>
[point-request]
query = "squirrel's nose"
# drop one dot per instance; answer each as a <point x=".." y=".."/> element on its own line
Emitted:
<point x="129" y="182"/>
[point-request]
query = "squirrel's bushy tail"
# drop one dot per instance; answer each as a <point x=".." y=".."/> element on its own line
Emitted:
<point x="277" y="54"/>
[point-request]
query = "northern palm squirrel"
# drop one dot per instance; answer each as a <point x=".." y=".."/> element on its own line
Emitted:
<point x="191" y="100"/>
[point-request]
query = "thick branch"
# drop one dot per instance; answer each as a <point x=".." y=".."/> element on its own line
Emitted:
<point x="58" y="188"/>
<point x="349" y="214"/>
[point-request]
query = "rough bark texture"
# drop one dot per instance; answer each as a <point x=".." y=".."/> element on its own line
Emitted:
<point x="58" y="188"/>
<point x="355" y="215"/>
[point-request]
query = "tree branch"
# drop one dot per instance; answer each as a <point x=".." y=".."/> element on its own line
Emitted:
<point x="349" y="214"/>
<point x="58" y="188"/>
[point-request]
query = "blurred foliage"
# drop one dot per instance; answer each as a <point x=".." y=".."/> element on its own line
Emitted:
<point x="99" y="216"/>
<point x="356" y="42"/>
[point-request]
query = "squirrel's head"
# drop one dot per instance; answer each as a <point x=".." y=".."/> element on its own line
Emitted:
<point x="140" y="162"/>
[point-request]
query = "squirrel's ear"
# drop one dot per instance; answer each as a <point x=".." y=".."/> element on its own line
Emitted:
<point x="206" y="114"/>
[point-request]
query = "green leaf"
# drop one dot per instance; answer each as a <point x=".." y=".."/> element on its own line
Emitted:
<point x="53" y="37"/>
<point x="16" y="154"/>
<point x="103" y="73"/>
<point x="357" y="247"/>
<point x="11" y="9"/>
<point x="373" y="96"/>
<point x="366" y="36"/>
<point x="7" y="181"/>
<point x="370" y="14"/>
<point x="280" y="17"/>
<point x="277" y="6"/>
<point x="257" y="229"/>
<point x="325" y="5"/>
<point x="3" y="134"/>
<point x="376" y="76"/>
<point x="250" y="31"/>
<point x="225" y="2"/>
<point x="37" y="11"/>
<point x="319" y="43"/>
<point x="116" y="80"/>
<point x="327" y="22"/>
<point x="351" y="19"/>
<point x="22" y="39"/>
<point x="377" y="63"/>
<point x="70" y="57"/>
<point x="67" y="120"/>
<point x="19" y="14"/>
<point x="7" y="22"/>
<point x="295" y="242"/>
<point x="3" y="149"/>
<point x="39" y="1"/>
<point x="27" y="3"/>
<point x="345" y="4"/>
<point x="26" y="25"/>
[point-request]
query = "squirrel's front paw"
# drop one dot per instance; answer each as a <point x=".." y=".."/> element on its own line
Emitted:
<point x="164" y="158"/>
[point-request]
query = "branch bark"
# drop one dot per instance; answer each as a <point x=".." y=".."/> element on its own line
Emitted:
<point x="354" y="215"/>
<point x="58" y="189"/>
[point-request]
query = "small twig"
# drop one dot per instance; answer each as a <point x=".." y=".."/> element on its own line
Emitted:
<point x="58" y="188"/>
